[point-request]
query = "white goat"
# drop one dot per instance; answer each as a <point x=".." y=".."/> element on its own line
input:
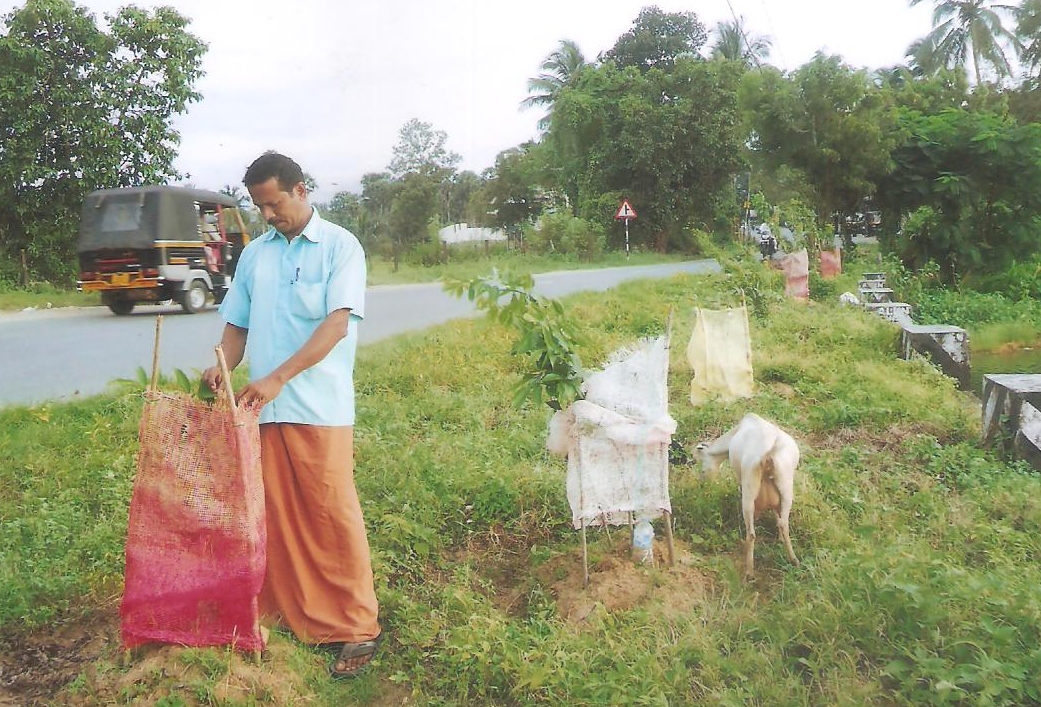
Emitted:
<point x="763" y="457"/>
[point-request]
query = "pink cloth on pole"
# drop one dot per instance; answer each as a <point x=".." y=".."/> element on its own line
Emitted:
<point x="796" y="268"/>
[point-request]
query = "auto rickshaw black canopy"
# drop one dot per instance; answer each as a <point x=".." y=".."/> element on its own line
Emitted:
<point x="137" y="217"/>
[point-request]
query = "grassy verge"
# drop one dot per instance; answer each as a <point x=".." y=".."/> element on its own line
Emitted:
<point x="43" y="296"/>
<point x="918" y="582"/>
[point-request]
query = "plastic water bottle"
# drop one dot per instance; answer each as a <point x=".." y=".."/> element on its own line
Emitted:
<point x="643" y="542"/>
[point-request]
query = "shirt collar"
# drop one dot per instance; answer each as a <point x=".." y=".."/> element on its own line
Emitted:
<point x="312" y="230"/>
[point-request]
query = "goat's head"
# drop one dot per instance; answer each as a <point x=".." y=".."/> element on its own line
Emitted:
<point x="709" y="462"/>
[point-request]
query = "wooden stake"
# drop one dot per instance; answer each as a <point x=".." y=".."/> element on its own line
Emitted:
<point x="153" y="385"/>
<point x="585" y="557"/>
<point x="225" y="375"/>
<point x="668" y="537"/>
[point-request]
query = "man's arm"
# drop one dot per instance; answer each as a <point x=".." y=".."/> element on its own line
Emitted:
<point x="329" y="333"/>
<point x="233" y="342"/>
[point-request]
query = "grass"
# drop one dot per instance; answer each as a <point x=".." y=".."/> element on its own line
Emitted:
<point x="918" y="583"/>
<point x="43" y="296"/>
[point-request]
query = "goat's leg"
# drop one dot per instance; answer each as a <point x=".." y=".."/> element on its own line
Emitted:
<point x="782" y="523"/>
<point x="749" y="491"/>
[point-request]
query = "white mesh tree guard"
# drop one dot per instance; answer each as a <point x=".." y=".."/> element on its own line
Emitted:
<point x="617" y="440"/>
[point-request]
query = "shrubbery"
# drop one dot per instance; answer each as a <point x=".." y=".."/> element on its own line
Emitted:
<point x="562" y="233"/>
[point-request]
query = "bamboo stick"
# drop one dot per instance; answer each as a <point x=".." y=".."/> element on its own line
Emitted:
<point x="225" y="375"/>
<point x="154" y="383"/>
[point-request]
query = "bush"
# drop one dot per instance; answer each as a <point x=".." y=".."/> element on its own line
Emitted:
<point x="563" y="233"/>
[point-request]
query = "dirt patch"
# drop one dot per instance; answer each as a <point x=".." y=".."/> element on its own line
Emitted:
<point x="81" y="664"/>
<point x="616" y="583"/>
<point x="36" y="666"/>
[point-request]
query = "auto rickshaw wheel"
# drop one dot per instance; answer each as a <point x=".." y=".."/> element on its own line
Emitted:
<point x="121" y="307"/>
<point x="193" y="299"/>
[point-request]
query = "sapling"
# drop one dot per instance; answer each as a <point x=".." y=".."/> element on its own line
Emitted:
<point x="546" y="336"/>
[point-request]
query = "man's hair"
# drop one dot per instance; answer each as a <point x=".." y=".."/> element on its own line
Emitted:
<point x="274" y="164"/>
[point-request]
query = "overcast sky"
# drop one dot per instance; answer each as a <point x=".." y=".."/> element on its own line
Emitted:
<point x="331" y="82"/>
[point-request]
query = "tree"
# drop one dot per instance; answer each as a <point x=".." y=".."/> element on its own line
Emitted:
<point x="559" y="69"/>
<point x="421" y="149"/>
<point x="734" y="44"/>
<point x="657" y="39"/>
<point x="967" y="186"/>
<point x="510" y="197"/>
<point x="415" y="204"/>
<point x="1028" y="30"/>
<point x="345" y="209"/>
<point x="377" y="196"/>
<point x="455" y="192"/>
<point x="670" y="141"/>
<point x="967" y="31"/>
<point x="81" y="109"/>
<point x="828" y="123"/>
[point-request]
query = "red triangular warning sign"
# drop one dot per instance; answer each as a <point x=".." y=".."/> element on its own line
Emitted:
<point x="625" y="211"/>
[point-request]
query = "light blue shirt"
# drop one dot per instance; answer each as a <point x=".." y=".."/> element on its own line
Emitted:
<point x="281" y="292"/>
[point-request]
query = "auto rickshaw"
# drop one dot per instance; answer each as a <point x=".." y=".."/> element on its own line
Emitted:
<point x="158" y="243"/>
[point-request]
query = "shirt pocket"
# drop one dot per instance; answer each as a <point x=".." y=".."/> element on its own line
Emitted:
<point x="308" y="300"/>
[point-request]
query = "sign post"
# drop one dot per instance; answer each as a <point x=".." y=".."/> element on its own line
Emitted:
<point x="625" y="213"/>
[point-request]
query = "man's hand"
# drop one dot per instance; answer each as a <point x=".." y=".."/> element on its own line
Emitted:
<point x="213" y="378"/>
<point x="261" y="391"/>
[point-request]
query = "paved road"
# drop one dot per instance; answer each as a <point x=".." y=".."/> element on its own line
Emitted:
<point x="62" y="354"/>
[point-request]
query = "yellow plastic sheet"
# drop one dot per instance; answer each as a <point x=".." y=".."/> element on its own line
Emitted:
<point x="720" y="354"/>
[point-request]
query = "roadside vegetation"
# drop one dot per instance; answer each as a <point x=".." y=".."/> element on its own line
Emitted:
<point x="917" y="583"/>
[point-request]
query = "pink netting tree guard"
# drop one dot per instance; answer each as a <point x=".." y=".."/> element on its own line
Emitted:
<point x="196" y="539"/>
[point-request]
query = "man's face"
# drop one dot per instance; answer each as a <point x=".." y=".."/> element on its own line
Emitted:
<point x="286" y="211"/>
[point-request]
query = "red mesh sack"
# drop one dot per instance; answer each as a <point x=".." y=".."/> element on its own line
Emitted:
<point x="196" y="539"/>
<point x="831" y="263"/>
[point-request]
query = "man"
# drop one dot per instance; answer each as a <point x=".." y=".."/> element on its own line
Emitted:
<point x="294" y="308"/>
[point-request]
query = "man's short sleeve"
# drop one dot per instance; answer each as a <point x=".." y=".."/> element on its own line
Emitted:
<point x="236" y="305"/>
<point x="347" y="277"/>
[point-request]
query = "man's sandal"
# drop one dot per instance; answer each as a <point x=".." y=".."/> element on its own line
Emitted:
<point x="352" y="658"/>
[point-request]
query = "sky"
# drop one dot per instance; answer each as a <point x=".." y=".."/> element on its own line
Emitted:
<point x="332" y="82"/>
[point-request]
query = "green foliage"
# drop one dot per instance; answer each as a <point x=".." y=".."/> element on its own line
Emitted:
<point x="667" y="140"/>
<point x="547" y="338"/>
<point x="421" y="150"/>
<point x="179" y="381"/>
<point x="1020" y="281"/>
<point x="827" y="123"/>
<point x="415" y="204"/>
<point x="970" y="181"/>
<point x="83" y="108"/>
<point x="566" y="234"/>
<point x="657" y="39"/>
<point x="759" y="285"/>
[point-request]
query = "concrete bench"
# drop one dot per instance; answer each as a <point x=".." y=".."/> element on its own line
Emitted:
<point x="946" y="346"/>
<point x="872" y="280"/>
<point x="1012" y="404"/>
<point x="876" y="295"/>
<point x="896" y="312"/>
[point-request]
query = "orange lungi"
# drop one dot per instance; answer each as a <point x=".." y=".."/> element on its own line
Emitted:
<point x="319" y="572"/>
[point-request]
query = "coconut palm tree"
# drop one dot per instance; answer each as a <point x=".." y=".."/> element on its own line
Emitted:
<point x="734" y="43"/>
<point x="559" y="69"/>
<point x="967" y="31"/>
<point x="1028" y="29"/>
